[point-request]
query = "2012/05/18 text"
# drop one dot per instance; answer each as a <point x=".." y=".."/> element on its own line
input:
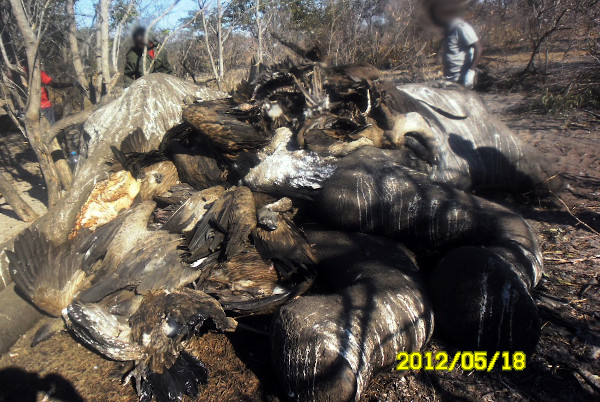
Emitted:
<point x="478" y="361"/>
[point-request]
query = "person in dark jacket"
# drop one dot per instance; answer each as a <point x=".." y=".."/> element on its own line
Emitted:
<point x="134" y="62"/>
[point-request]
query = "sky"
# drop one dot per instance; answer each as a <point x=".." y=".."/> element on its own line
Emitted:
<point x="85" y="11"/>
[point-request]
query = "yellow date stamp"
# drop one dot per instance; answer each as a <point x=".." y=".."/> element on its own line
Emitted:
<point x="467" y="361"/>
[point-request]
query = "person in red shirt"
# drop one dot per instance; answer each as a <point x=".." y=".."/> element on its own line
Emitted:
<point x="47" y="111"/>
<point x="47" y="108"/>
<point x="46" y="105"/>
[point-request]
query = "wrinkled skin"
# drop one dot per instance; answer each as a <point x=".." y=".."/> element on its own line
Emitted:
<point x="482" y="260"/>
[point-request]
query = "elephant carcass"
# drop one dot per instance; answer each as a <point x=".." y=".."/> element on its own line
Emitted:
<point x="152" y="104"/>
<point x="327" y="346"/>
<point x="487" y="256"/>
<point x="470" y="148"/>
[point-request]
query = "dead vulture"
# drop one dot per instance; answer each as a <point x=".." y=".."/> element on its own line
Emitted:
<point x="153" y="337"/>
<point x="150" y="167"/>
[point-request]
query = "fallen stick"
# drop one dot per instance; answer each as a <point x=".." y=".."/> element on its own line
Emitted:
<point x="575" y="216"/>
<point x="572" y="261"/>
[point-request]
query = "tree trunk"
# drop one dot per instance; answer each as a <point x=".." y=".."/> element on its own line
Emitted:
<point x="98" y="65"/>
<point x="209" y="51"/>
<point x="32" y="108"/>
<point x="21" y="208"/>
<point x="74" y="46"/>
<point x="117" y="39"/>
<point x="536" y="49"/>
<point x="260" y="34"/>
<point x="62" y="165"/>
<point x="58" y="156"/>
<point x="104" y="55"/>
<point x="47" y="166"/>
<point x="220" y="39"/>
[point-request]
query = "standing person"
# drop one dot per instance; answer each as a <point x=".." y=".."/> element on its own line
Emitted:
<point x="46" y="107"/>
<point x="134" y="63"/>
<point x="461" y="47"/>
<point x="47" y="111"/>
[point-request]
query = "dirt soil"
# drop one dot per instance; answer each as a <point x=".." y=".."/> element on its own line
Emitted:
<point x="19" y="165"/>
<point x="565" y="366"/>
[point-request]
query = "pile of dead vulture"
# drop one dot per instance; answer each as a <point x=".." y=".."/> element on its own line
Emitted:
<point x="300" y="197"/>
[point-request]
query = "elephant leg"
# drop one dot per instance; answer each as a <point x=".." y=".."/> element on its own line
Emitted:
<point x="492" y="259"/>
<point x="327" y="347"/>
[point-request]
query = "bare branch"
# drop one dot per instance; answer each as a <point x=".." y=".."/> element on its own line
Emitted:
<point x="65" y="123"/>
<point x="21" y="208"/>
<point x="6" y="59"/>
<point x="149" y="29"/>
<point x="118" y="31"/>
<point x="171" y="34"/>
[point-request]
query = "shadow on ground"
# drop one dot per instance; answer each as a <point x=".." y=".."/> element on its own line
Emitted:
<point x="20" y="385"/>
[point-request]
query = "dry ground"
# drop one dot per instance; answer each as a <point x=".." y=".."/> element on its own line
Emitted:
<point x="19" y="164"/>
<point x="565" y="366"/>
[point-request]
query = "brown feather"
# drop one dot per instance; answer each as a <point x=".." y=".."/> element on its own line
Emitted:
<point x="161" y="312"/>
<point x="243" y="277"/>
<point x="157" y="179"/>
<point x="51" y="276"/>
<point x="228" y="224"/>
<point x="198" y="168"/>
<point x="136" y="142"/>
<point x="216" y="121"/>
<point x="287" y="246"/>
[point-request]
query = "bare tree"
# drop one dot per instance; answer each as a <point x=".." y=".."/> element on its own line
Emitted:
<point x="119" y="34"/>
<point x="220" y="39"/>
<point x="213" y="65"/>
<point x="74" y="46"/>
<point x="215" y="29"/>
<point x="32" y="25"/>
<point x="171" y="34"/>
<point x="102" y="44"/>
<point x="547" y="18"/>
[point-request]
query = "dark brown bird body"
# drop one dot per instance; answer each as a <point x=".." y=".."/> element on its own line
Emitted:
<point x="226" y="226"/>
<point x="286" y="246"/>
<point x="247" y="276"/>
<point x="198" y="163"/>
<point x="215" y="120"/>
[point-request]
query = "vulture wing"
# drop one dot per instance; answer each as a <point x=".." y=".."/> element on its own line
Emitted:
<point x="216" y="121"/>
<point x="286" y="246"/>
<point x="104" y="332"/>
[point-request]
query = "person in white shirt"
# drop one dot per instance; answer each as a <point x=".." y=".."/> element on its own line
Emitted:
<point x="461" y="47"/>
